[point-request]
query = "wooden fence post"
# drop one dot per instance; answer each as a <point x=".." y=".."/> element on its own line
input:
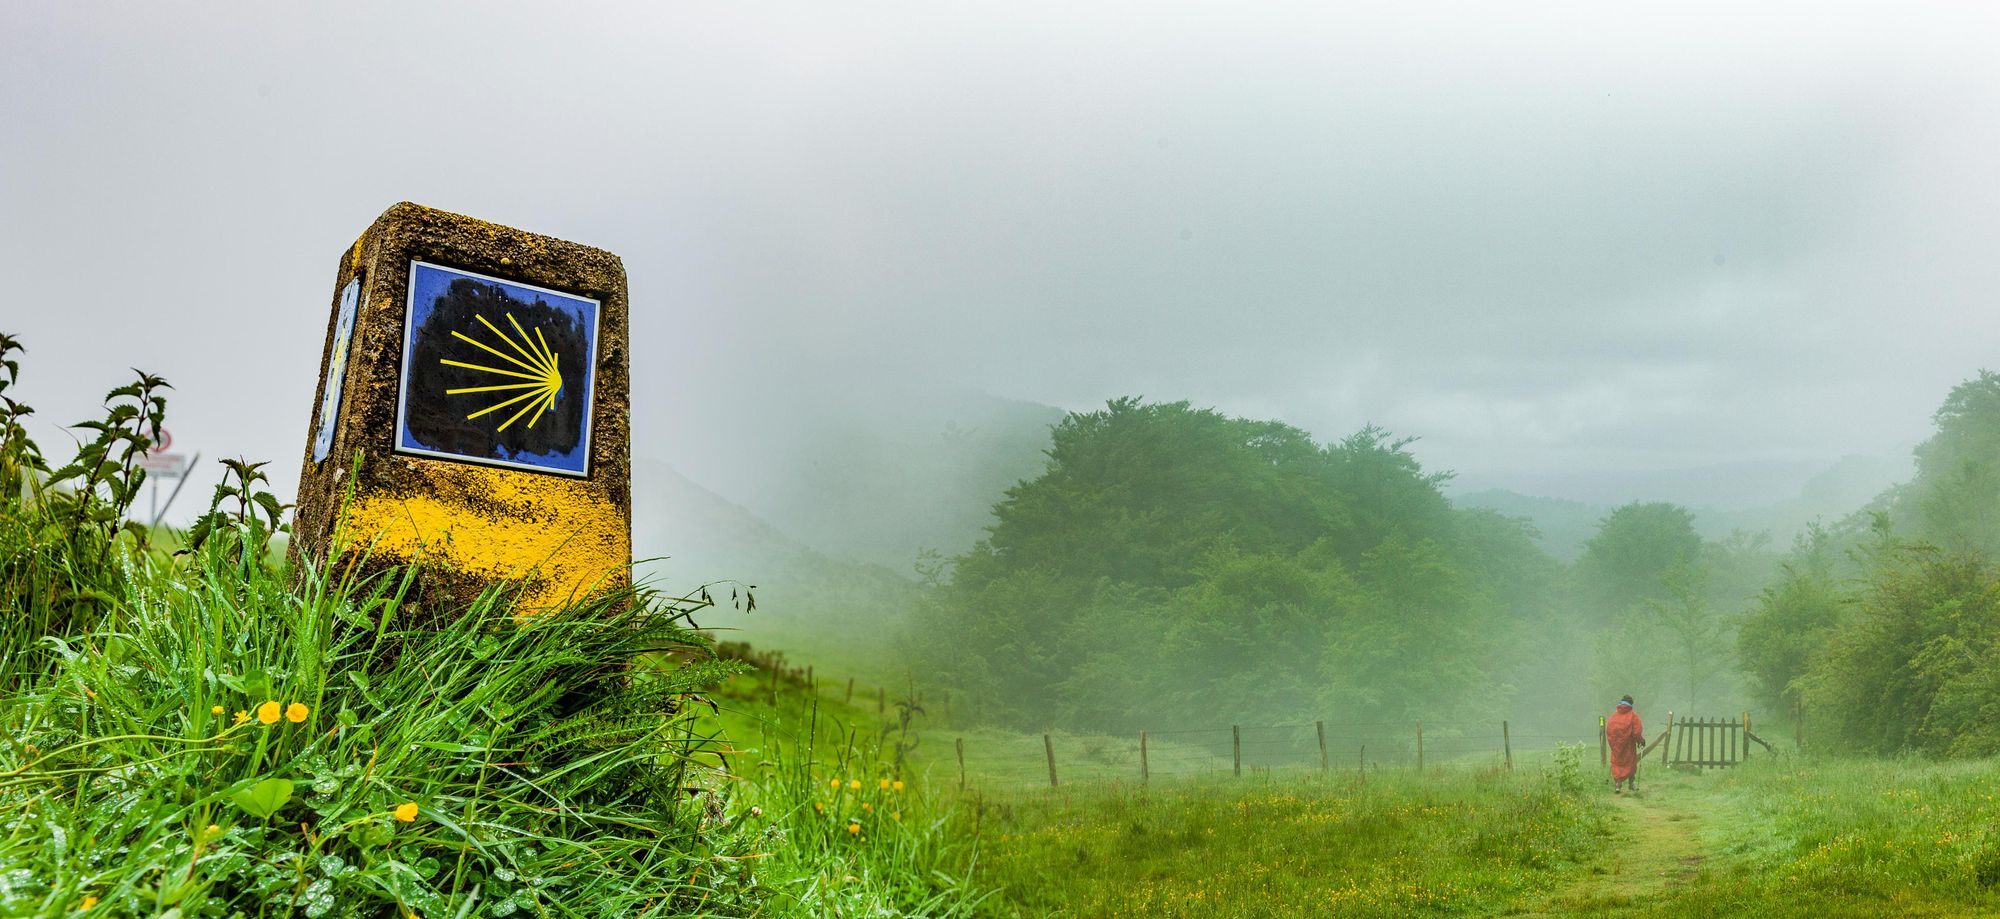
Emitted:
<point x="1420" y="746"/>
<point x="1145" y="769"/>
<point x="881" y="700"/>
<point x="961" y="764"/>
<point x="1320" y="726"/>
<point x="1236" y="742"/>
<point x="1362" y="766"/>
<point x="1746" y="736"/>
<point x="1603" y="743"/>
<point x="810" y="682"/>
<point x="1049" y="746"/>
<point x="1667" y="747"/>
<point x="1507" y="745"/>
<point x="850" y="690"/>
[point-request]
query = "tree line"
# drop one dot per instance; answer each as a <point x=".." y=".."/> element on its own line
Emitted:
<point x="1174" y="564"/>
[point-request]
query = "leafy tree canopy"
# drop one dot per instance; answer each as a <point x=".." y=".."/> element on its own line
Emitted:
<point x="1176" y="562"/>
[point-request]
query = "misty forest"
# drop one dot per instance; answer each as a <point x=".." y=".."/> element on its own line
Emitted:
<point x="1178" y="565"/>
<point x="999" y="461"/>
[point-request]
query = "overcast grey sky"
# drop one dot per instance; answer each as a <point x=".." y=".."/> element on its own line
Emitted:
<point x="1553" y="240"/>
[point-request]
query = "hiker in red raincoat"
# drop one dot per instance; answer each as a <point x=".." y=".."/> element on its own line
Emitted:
<point x="1624" y="733"/>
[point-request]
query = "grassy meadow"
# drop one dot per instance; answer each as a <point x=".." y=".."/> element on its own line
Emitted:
<point x="192" y="729"/>
<point x="1786" y="835"/>
<point x="1393" y="845"/>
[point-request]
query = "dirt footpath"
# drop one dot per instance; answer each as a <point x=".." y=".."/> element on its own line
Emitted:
<point x="1653" y="850"/>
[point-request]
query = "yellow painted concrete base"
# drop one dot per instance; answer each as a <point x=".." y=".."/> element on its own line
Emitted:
<point x="559" y="536"/>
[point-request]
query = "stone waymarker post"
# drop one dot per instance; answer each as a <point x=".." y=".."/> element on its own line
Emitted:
<point x="472" y="411"/>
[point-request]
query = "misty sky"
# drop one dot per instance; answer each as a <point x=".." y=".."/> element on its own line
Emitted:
<point x="1556" y="241"/>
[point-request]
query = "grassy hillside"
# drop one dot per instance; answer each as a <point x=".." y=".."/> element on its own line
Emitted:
<point x="836" y="608"/>
<point x="858" y="466"/>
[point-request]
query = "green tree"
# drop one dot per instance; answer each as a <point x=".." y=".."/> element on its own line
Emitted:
<point x="1635" y="547"/>
<point x="1918" y="666"/>
<point x="1177" y="562"/>
<point x="1697" y="639"/>
<point x="1791" y="620"/>
<point x="1956" y="501"/>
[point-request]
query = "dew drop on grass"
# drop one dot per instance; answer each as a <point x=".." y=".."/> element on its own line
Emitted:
<point x="504" y="907"/>
<point x="319" y="898"/>
<point x="504" y="874"/>
<point x="327" y="785"/>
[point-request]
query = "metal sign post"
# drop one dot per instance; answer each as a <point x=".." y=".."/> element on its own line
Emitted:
<point x="159" y="464"/>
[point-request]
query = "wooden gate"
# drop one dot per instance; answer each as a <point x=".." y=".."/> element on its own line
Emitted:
<point x="1705" y="742"/>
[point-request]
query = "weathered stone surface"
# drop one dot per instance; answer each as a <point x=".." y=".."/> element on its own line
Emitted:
<point x="557" y="523"/>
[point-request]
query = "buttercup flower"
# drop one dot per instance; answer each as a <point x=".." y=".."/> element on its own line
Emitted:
<point x="885" y="784"/>
<point x="215" y="709"/>
<point x="242" y="716"/>
<point x="296" y="712"/>
<point x="269" y="712"/>
<point x="406" y="811"/>
<point x="836" y="782"/>
<point x="897" y="784"/>
<point x="854" y="785"/>
<point x="88" y="902"/>
<point x="870" y="808"/>
<point x="853" y="829"/>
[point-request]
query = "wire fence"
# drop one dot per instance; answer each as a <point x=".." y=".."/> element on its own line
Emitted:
<point x="993" y="759"/>
<point x="1059" y="759"/>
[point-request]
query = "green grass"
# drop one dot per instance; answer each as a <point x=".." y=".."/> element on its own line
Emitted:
<point x="1822" y="838"/>
<point x="554" y="765"/>
<point x="1396" y="844"/>
<point x="859" y="835"/>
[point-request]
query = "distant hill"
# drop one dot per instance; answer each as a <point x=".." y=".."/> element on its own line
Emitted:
<point x="706" y="538"/>
<point x="1564" y="525"/>
<point x="1827" y="495"/>
<point x="857" y="468"/>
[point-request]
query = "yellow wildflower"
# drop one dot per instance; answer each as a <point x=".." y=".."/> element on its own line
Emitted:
<point x="868" y="807"/>
<point x="885" y="784"/>
<point x="242" y="716"/>
<point x="853" y="829"/>
<point x="213" y="831"/>
<point x="817" y="806"/>
<point x="897" y="816"/>
<point x="406" y="811"/>
<point x="897" y="784"/>
<point x="836" y="782"/>
<point x="215" y="709"/>
<point x="88" y="902"/>
<point x="296" y="712"/>
<point x="269" y="713"/>
<point x="854" y="785"/>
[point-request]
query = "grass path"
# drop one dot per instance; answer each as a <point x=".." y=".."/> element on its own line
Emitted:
<point x="1655" y="850"/>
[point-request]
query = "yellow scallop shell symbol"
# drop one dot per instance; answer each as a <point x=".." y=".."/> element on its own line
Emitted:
<point x="538" y="365"/>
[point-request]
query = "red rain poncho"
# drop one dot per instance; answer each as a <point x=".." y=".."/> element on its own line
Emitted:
<point x="1624" y="733"/>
